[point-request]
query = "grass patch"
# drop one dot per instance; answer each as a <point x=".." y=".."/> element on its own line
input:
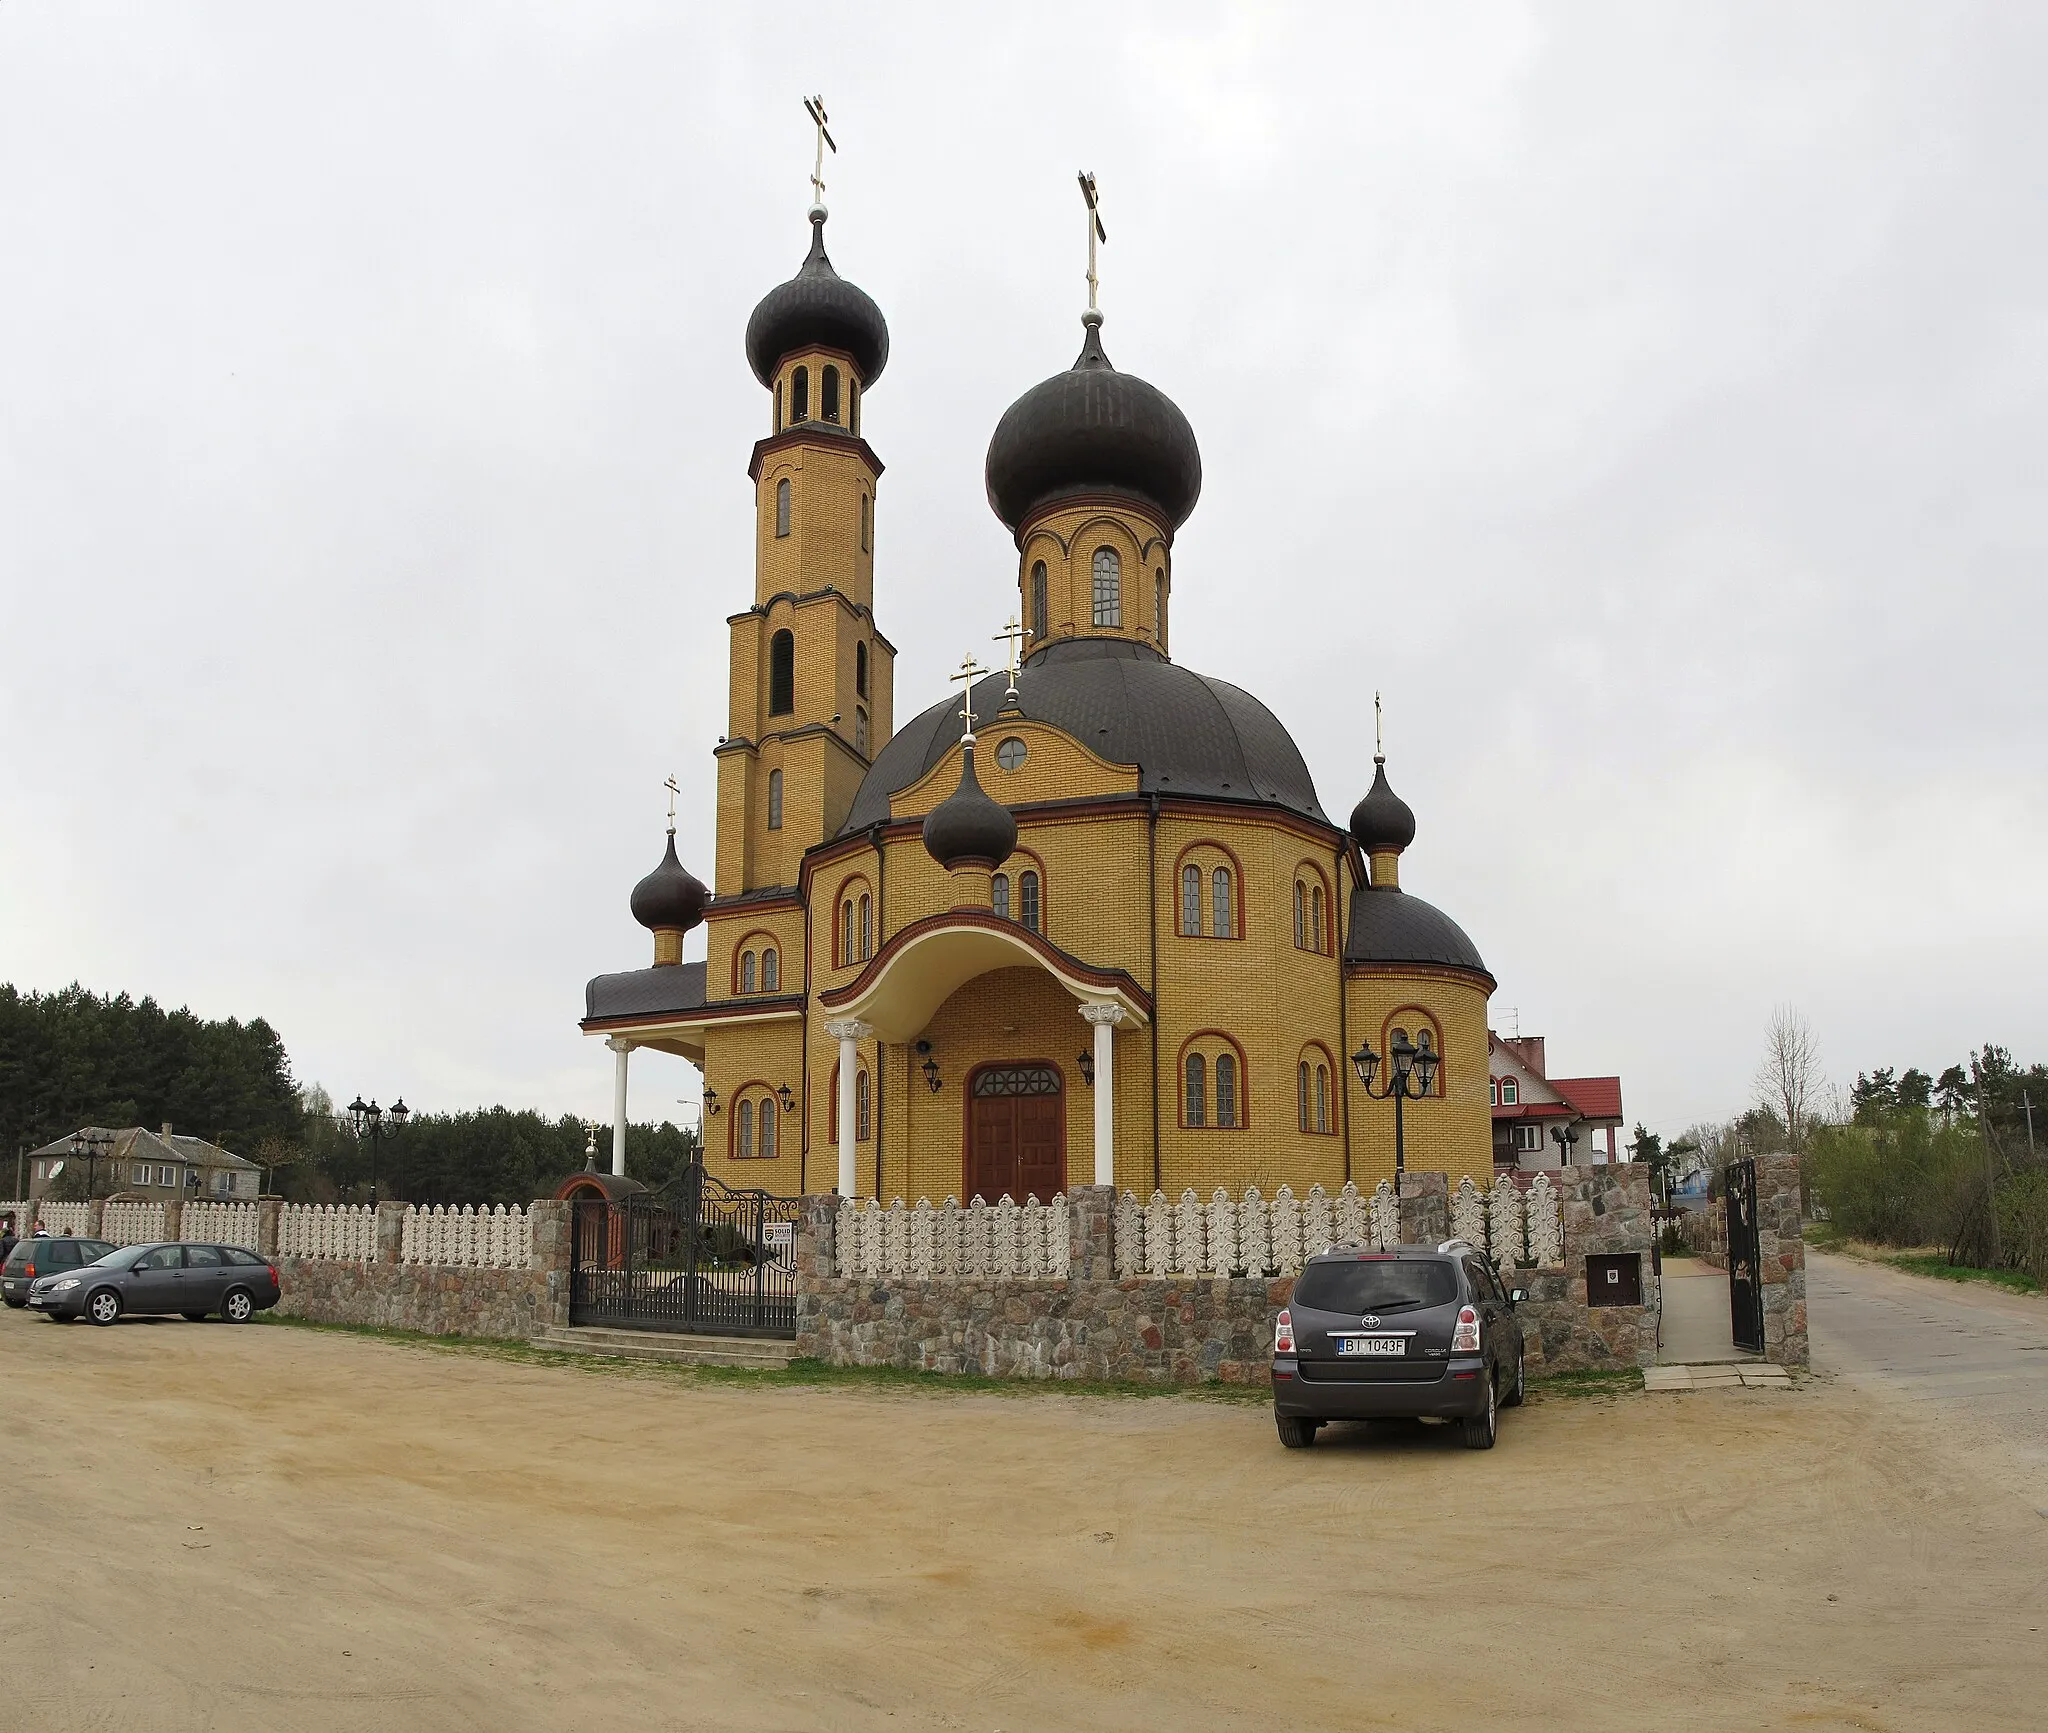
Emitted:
<point x="1934" y="1264"/>
<point x="1578" y="1386"/>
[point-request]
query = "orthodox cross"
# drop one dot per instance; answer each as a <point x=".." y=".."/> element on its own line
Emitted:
<point x="1096" y="232"/>
<point x="814" y="106"/>
<point x="970" y="671"/>
<point x="1012" y="636"/>
<point x="1379" y="740"/>
<point x="673" y="791"/>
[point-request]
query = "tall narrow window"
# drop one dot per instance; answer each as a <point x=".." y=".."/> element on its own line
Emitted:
<point x="1322" y="1098"/>
<point x="860" y="732"/>
<point x="1315" y="919"/>
<point x="1109" y="588"/>
<point x="1197" y="1091"/>
<point x="860" y="670"/>
<point x="782" y="507"/>
<point x="1038" y="603"/>
<point x="774" y="800"/>
<point x="853" y="405"/>
<point x="1027" y="899"/>
<point x="867" y="927"/>
<point x="1300" y="916"/>
<point x="846" y="951"/>
<point x="828" y="393"/>
<point x="1159" y="605"/>
<point x="782" y="673"/>
<point x="999" y="895"/>
<point x="1301" y="1093"/>
<point x="1226" y="1089"/>
<point x="1191" y="901"/>
<point x="800" y="395"/>
<point x="861" y="1114"/>
<point x="768" y="1117"/>
<point x="746" y="971"/>
<point x="1223" y="922"/>
<point x="771" y="971"/>
<point x="864" y="532"/>
<point x="778" y="406"/>
<point x="746" y="1129"/>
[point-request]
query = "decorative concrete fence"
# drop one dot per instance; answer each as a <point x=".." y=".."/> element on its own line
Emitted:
<point x="59" y="1218"/>
<point x="467" y="1237"/>
<point x="328" y="1231"/>
<point x="133" y="1224"/>
<point x="1002" y="1241"/>
<point x="224" y="1224"/>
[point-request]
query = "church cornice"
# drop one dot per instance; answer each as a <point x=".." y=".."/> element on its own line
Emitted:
<point x="830" y="593"/>
<point x="1120" y="506"/>
<point x="821" y="434"/>
<point x="1418" y="972"/>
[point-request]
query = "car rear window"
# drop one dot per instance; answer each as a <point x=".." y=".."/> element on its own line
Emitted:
<point x="1377" y="1285"/>
<point x="202" y="1257"/>
<point x="235" y="1255"/>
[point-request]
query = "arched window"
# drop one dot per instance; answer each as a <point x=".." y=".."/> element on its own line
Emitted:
<point x="1223" y="921"/>
<point x="1159" y="605"/>
<point x="828" y="393"/>
<point x="800" y="395"/>
<point x="1038" y="603"/>
<point x="1301" y="1093"/>
<point x="768" y="1118"/>
<point x="853" y="405"/>
<point x="861" y="1114"/>
<point x="860" y="670"/>
<point x="1027" y="899"/>
<point x="1191" y="901"/>
<point x="747" y="972"/>
<point x="771" y="971"/>
<point x="782" y="507"/>
<point x="1322" y="1098"/>
<point x="1493" y="1091"/>
<point x="1197" y="1091"/>
<point x="1109" y="588"/>
<point x="774" y="800"/>
<point x="744" y="1130"/>
<point x="1300" y="915"/>
<point x="1510" y="1092"/>
<point x="1226" y="1089"/>
<point x="782" y="672"/>
<point x="867" y="926"/>
<point x="846" y="951"/>
<point x="778" y="406"/>
<point x="860" y="732"/>
<point x="865" y="546"/>
<point x="999" y="895"/>
<point x="1316" y="928"/>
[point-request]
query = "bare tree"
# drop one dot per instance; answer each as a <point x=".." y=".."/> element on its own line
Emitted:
<point x="1790" y="1080"/>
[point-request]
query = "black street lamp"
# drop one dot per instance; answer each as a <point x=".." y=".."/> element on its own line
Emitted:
<point x="366" y="1120"/>
<point x="1566" y="1137"/>
<point x="89" y="1146"/>
<point x="1412" y="1074"/>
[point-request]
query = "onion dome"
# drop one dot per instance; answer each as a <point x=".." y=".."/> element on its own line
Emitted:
<point x="670" y="897"/>
<point x="1093" y="430"/>
<point x="817" y="308"/>
<point x="1382" y="821"/>
<point x="967" y="828"/>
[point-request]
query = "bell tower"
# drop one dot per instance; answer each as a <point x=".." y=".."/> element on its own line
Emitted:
<point x="812" y="677"/>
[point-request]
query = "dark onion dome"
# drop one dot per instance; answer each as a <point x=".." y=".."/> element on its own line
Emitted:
<point x="967" y="829"/>
<point x="817" y="308"/>
<point x="1186" y="734"/>
<point x="1389" y="926"/>
<point x="1382" y="820"/>
<point x="671" y="895"/>
<point x="1093" y="430"/>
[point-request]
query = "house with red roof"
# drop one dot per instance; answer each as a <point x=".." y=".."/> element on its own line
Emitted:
<point x="1545" y="1121"/>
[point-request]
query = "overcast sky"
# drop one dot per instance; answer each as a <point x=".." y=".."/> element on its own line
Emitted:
<point x="1648" y="400"/>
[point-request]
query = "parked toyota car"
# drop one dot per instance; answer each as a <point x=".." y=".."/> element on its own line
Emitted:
<point x="1415" y="1332"/>
<point x="191" y="1280"/>
<point x="35" y="1257"/>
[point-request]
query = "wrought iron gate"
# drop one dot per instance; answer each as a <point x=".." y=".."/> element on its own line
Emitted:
<point x="1745" y="1279"/>
<point x="695" y="1255"/>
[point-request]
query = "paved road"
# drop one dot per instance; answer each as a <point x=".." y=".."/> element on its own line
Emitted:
<point x="1962" y="1355"/>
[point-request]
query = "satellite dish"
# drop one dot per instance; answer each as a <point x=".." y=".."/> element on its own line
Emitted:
<point x="56" y="1167"/>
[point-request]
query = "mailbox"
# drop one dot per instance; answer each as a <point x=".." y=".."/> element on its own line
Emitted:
<point x="1615" y="1280"/>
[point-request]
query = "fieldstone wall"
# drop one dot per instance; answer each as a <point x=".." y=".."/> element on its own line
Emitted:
<point x="1781" y="1257"/>
<point x="1425" y="1208"/>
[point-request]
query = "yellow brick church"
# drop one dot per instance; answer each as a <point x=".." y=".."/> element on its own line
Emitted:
<point x="1083" y="921"/>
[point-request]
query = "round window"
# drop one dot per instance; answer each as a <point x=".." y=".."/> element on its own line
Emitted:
<point x="1012" y="753"/>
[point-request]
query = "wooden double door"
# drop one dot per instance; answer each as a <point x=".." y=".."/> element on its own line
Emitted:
<point x="1016" y="1133"/>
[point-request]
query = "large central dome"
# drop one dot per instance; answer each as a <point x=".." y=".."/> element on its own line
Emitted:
<point x="1092" y="429"/>
<point x="1187" y="734"/>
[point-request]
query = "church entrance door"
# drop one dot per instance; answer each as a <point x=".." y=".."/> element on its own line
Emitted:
<point x="1016" y="1133"/>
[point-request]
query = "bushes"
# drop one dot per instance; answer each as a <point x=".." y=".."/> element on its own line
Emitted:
<point x="2023" y="1221"/>
<point x="1903" y="1180"/>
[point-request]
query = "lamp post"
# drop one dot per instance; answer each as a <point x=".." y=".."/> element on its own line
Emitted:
<point x="89" y="1146"/>
<point x="1412" y="1073"/>
<point x="1566" y="1137"/>
<point x="366" y="1120"/>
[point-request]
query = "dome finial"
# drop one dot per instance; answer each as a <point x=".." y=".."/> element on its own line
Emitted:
<point x="814" y="106"/>
<point x="1096" y="232"/>
<point x="969" y="672"/>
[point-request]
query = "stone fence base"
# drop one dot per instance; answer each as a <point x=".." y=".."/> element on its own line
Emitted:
<point x="436" y="1300"/>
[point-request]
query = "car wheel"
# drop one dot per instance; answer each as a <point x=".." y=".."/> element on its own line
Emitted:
<point x="104" y="1306"/>
<point x="16" y="1305"/>
<point x="194" y="1317"/>
<point x="1481" y="1428"/>
<point x="1513" y="1399"/>
<point x="1295" y="1432"/>
<point x="238" y="1308"/>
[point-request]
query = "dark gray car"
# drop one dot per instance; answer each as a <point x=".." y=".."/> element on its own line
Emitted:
<point x="1415" y="1332"/>
<point x="190" y="1280"/>
<point x="42" y="1255"/>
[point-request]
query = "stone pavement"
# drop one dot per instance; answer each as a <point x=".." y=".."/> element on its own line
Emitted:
<point x="1698" y="1326"/>
<point x="1722" y="1376"/>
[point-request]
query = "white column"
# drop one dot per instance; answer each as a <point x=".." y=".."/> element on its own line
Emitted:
<point x="848" y="1033"/>
<point x="621" y="1050"/>
<point x="1105" y="1018"/>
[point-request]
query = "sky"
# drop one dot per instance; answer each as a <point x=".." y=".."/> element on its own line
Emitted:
<point x="1648" y="401"/>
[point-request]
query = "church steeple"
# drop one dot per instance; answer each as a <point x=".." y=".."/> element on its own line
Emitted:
<point x="812" y="686"/>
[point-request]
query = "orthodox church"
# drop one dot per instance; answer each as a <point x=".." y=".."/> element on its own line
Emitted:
<point x="1085" y="920"/>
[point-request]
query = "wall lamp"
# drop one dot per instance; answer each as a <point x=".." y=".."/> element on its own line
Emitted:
<point x="1088" y="1068"/>
<point x="711" y="1101"/>
<point x="788" y="1100"/>
<point x="932" y="1080"/>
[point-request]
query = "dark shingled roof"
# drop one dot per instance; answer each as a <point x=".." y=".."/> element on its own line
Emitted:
<point x="646" y="992"/>
<point x="1389" y="926"/>
<point x="1186" y="733"/>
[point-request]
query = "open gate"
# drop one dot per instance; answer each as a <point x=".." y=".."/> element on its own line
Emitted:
<point x="1745" y="1278"/>
<point x="696" y="1255"/>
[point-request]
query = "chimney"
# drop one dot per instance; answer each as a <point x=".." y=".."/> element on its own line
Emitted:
<point x="167" y="1131"/>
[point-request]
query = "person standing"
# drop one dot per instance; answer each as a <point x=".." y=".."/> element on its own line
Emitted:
<point x="8" y="1241"/>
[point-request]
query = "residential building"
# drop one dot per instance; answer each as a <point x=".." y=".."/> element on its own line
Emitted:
<point x="153" y="1166"/>
<point x="1545" y="1121"/>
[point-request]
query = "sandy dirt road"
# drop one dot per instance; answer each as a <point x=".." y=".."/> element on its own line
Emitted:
<point x="275" y="1528"/>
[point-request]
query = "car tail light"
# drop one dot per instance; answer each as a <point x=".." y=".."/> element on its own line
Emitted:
<point x="1283" y="1332"/>
<point x="1465" y="1338"/>
<point x="31" y="1270"/>
<point x="274" y="1282"/>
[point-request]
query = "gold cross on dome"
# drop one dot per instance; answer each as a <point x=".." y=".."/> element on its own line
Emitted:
<point x="673" y="791"/>
<point x="1379" y="732"/>
<point x="970" y="671"/>
<point x="1096" y="232"/>
<point x="814" y="106"/>
<point x="1012" y="637"/>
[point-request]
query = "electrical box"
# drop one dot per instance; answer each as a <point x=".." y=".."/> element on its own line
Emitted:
<point x="1615" y="1280"/>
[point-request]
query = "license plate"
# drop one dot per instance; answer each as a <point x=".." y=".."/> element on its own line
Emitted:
<point x="39" y="1299"/>
<point x="1360" y="1345"/>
